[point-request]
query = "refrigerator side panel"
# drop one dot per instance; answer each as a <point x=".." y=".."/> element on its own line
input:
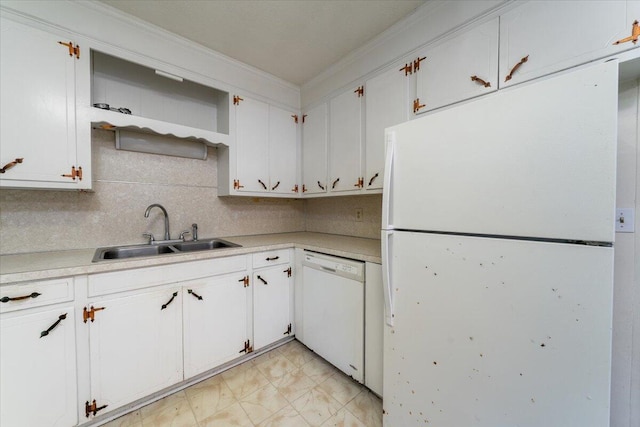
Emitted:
<point x="495" y="332"/>
<point x="537" y="161"/>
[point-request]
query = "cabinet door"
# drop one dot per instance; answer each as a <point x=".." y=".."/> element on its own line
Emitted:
<point x="555" y="35"/>
<point x="215" y="322"/>
<point x="459" y="68"/>
<point x="135" y="346"/>
<point x="283" y="150"/>
<point x="345" y="142"/>
<point x="386" y="104"/>
<point x="252" y="141"/>
<point x="314" y="150"/>
<point x="38" y="373"/>
<point x="37" y="112"/>
<point x="271" y="304"/>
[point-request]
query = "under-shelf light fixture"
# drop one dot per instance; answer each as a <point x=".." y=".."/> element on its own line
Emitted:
<point x="160" y="144"/>
<point x="169" y="75"/>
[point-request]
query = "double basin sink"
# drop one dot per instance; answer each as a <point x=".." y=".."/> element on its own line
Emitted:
<point x="136" y="251"/>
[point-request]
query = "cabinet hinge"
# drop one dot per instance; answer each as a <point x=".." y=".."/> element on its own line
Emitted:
<point x="416" y="63"/>
<point x="247" y="347"/>
<point x="288" y="331"/>
<point x="408" y="69"/>
<point x="295" y="188"/>
<point x="73" y="49"/>
<point x="236" y="184"/>
<point x="92" y="408"/>
<point x="360" y="183"/>
<point x="304" y="116"/>
<point x="91" y="313"/>
<point x="359" y="91"/>
<point x="245" y="281"/>
<point x="75" y="173"/>
<point x="295" y="117"/>
<point x="237" y="99"/>
<point x="288" y="271"/>
<point x="417" y="106"/>
<point x="635" y="33"/>
<point x="304" y="188"/>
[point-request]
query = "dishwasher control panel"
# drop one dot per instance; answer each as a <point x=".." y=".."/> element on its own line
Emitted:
<point x="341" y="266"/>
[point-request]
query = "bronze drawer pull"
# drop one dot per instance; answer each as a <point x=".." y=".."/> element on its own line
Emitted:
<point x="275" y="186"/>
<point x="194" y="294"/>
<point x="373" y="178"/>
<point x="479" y="80"/>
<point x="52" y="327"/>
<point x="263" y="184"/>
<point x="32" y="295"/>
<point x="320" y="185"/>
<point x="273" y="258"/>
<point x="334" y="183"/>
<point x="175" y="294"/>
<point x="11" y="164"/>
<point x="262" y="280"/>
<point x="515" y="68"/>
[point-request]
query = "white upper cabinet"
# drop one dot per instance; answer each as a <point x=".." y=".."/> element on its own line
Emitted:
<point x="266" y="141"/>
<point x="459" y="68"/>
<point x="283" y="151"/>
<point x="40" y="145"/>
<point x="345" y="141"/>
<point x="314" y="150"/>
<point x="541" y="37"/>
<point x="386" y="104"/>
<point x="252" y="142"/>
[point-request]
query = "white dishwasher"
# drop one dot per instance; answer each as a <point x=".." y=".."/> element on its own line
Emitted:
<point x="333" y="311"/>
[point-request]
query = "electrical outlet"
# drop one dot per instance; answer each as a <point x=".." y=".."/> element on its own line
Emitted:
<point x="625" y="220"/>
<point x="359" y="214"/>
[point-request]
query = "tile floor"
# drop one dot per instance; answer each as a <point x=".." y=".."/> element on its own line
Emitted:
<point x="288" y="386"/>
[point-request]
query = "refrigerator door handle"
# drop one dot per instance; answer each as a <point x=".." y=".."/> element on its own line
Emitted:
<point x="390" y="138"/>
<point x="387" y="237"/>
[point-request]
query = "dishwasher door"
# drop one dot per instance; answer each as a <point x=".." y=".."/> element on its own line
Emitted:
<point x="333" y="311"/>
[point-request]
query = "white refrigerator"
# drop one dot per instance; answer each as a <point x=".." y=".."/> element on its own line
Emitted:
<point x="497" y="243"/>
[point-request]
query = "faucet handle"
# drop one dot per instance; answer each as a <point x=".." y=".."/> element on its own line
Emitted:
<point x="183" y="233"/>
<point x="150" y="237"/>
<point x="194" y="231"/>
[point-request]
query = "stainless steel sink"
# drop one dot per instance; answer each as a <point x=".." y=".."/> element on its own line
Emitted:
<point x="204" y="245"/>
<point x="136" y="251"/>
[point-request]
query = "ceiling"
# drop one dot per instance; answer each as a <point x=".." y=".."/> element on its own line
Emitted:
<point x="291" y="39"/>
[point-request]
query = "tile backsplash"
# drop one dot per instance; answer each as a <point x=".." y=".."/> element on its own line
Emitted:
<point x="125" y="183"/>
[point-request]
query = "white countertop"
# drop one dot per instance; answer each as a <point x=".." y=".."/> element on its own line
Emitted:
<point x="48" y="265"/>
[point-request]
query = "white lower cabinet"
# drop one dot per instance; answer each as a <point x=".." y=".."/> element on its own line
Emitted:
<point x="215" y="321"/>
<point x="272" y="289"/>
<point x="38" y="368"/>
<point x="135" y="345"/>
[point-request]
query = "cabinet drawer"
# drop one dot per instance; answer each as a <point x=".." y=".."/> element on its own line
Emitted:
<point x="35" y="294"/>
<point x="120" y="281"/>
<point x="264" y="259"/>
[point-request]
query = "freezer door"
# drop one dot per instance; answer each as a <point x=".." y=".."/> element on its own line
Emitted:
<point x="497" y="332"/>
<point x="537" y="160"/>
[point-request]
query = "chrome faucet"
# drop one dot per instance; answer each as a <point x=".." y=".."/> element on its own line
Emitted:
<point x="166" y="218"/>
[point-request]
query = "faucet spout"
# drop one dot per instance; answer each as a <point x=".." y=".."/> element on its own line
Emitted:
<point x="166" y="218"/>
